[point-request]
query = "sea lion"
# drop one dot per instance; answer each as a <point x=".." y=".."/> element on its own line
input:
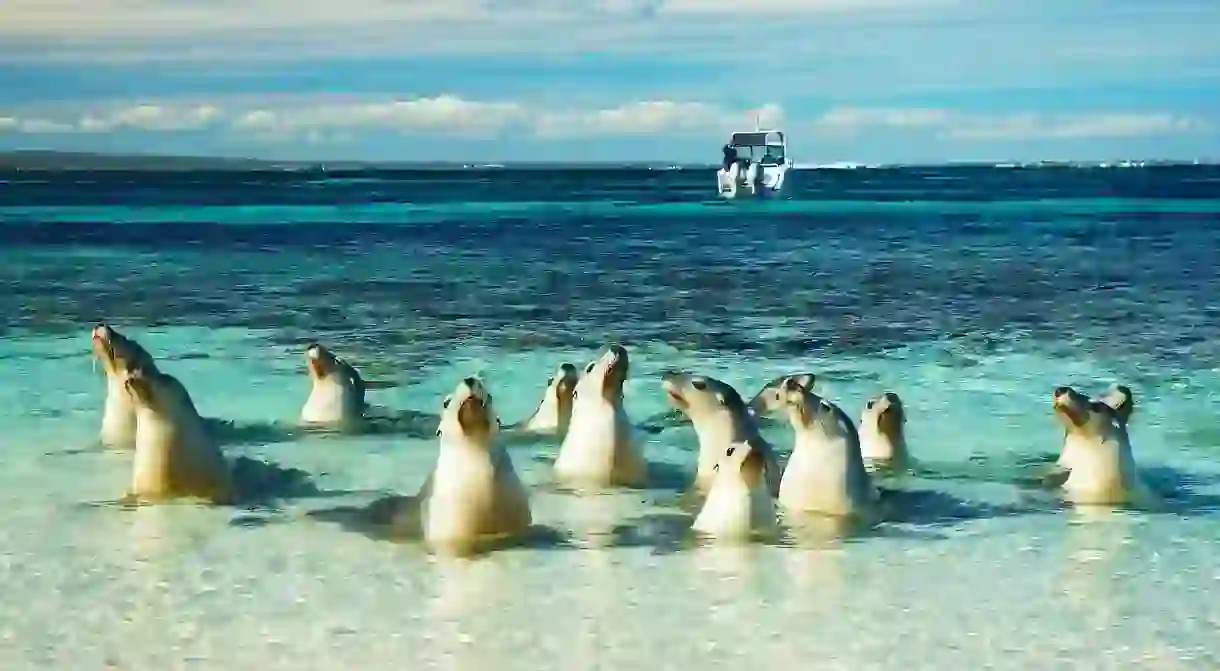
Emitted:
<point x="764" y="407"/>
<point x="826" y="472"/>
<point x="882" y="433"/>
<point x="768" y="403"/>
<point x="176" y="456"/>
<point x="1103" y="470"/>
<point x="599" y="449"/>
<point x="721" y="419"/>
<point x="554" y="413"/>
<point x="1118" y="397"/>
<point x="474" y="493"/>
<point x="739" y="504"/>
<point x="337" y="395"/>
<point x="118" y="355"/>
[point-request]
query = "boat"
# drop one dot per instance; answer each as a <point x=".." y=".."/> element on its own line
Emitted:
<point x="760" y="167"/>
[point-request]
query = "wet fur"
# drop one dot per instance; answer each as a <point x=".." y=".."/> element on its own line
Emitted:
<point x="1118" y="397"/>
<point x="473" y="493"/>
<point x="553" y="415"/>
<point x="176" y="455"/>
<point x="118" y="354"/>
<point x="766" y="406"/>
<point x="1103" y="469"/>
<point x="882" y="432"/>
<point x="336" y="397"/>
<point x="721" y="419"/>
<point x="826" y="472"/>
<point x="600" y="448"/>
<point x="738" y="504"/>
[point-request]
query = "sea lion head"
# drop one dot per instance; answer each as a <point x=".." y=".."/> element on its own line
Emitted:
<point x="605" y="375"/>
<point x="807" y="410"/>
<point x="769" y="400"/>
<point x="160" y="392"/>
<point x="1090" y="418"/>
<point x="699" y="395"/>
<point x="322" y="363"/>
<point x="468" y="411"/>
<point x="747" y="460"/>
<point x="562" y="384"/>
<point x="885" y="412"/>
<point x="1120" y="398"/>
<point x="118" y="353"/>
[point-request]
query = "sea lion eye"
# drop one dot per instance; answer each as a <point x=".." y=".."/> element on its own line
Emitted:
<point x="550" y="380"/>
<point x="438" y="432"/>
<point x="699" y="384"/>
<point x="730" y="451"/>
<point x="871" y="403"/>
<point x="446" y="403"/>
<point x="589" y="368"/>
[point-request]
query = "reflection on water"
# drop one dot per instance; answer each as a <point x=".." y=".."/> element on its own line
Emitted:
<point x="1093" y="571"/>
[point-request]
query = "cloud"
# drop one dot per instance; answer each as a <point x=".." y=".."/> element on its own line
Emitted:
<point x="441" y="114"/>
<point x="321" y="120"/>
<point x="949" y="124"/>
<point x="652" y="117"/>
<point x="317" y="120"/>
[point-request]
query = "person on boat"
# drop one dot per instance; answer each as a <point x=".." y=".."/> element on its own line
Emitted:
<point x="730" y="156"/>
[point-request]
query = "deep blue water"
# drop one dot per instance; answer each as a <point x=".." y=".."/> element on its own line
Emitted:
<point x="1119" y="261"/>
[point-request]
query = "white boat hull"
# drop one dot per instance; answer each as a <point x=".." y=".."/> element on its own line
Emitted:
<point x="755" y="180"/>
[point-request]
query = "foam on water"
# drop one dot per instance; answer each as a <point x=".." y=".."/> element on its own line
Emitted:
<point x="177" y="585"/>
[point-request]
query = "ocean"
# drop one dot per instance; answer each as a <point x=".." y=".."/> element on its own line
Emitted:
<point x="972" y="292"/>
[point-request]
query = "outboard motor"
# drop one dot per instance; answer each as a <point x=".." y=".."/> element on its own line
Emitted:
<point x="751" y="176"/>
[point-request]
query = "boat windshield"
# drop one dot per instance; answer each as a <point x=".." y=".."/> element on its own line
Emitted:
<point x="761" y="154"/>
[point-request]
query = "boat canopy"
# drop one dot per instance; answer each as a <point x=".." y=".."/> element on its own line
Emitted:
<point x="767" y="138"/>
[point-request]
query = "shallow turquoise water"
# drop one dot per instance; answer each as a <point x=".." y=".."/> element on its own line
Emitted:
<point x="152" y="587"/>
<point x="972" y="313"/>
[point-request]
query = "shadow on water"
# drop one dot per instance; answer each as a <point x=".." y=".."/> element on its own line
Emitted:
<point x="663" y="420"/>
<point x="932" y="508"/>
<point x="259" y="486"/>
<point x="230" y="432"/>
<point x="397" y="518"/>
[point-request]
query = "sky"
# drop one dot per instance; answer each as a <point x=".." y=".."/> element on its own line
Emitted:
<point x="873" y="81"/>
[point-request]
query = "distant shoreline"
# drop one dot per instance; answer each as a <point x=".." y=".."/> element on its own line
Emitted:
<point x="60" y="161"/>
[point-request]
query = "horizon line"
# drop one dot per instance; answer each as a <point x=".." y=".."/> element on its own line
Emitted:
<point x="9" y="159"/>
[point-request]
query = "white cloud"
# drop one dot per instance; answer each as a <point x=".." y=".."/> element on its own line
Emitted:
<point x="441" y="115"/>
<point x="652" y="117"/>
<point x="319" y="120"/>
<point x="152" y="118"/>
<point x="44" y="126"/>
<point x="848" y="121"/>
